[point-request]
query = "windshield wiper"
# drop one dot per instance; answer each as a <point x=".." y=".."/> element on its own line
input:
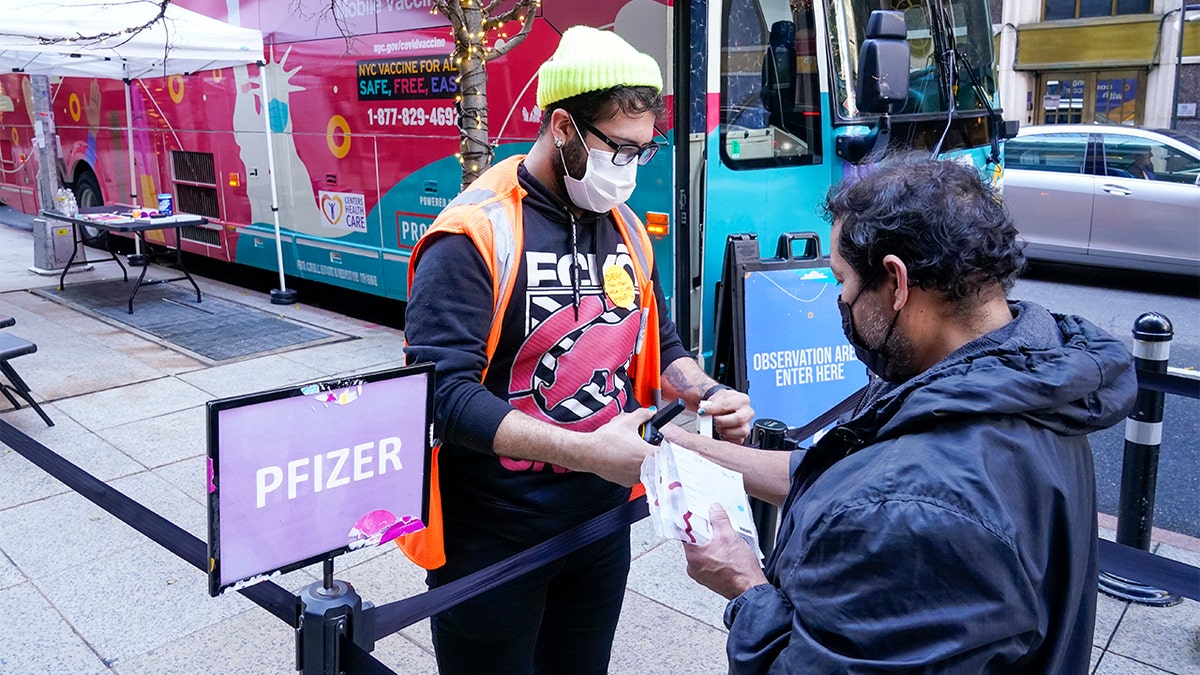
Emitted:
<point x="981" y="94"/>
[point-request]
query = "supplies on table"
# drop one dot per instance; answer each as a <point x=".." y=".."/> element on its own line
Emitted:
<point x="681" y="486"/>
<point x="64" y="203"/>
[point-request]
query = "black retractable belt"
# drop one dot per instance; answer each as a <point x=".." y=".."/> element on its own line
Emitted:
<point x="1169" y="575"/>
<point x="161" y="531"/>
<point x="400" y="614"/>
<point x="282" y="603"/>
<point x="826" y="418"/>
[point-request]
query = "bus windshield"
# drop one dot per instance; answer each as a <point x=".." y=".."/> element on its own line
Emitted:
<point x="943" y="36"/>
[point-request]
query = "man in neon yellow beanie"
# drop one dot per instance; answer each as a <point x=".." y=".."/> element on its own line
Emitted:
<point x="536" y="296"/>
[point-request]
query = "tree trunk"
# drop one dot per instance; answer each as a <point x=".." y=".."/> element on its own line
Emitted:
<point x="475" y="152"/>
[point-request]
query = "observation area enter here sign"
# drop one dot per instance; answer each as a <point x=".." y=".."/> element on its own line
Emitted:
<point x="798" y="362"/>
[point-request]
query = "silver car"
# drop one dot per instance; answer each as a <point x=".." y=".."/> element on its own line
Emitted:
<point x="1110" y="196"/>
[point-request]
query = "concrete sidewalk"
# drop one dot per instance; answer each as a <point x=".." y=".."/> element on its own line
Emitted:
<point x="83" y="593"/>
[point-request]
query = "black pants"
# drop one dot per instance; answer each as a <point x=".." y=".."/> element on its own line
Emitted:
<point x="559" y="618"/>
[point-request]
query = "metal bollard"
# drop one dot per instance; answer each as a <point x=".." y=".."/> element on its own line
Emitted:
<point x="768" y="434"/>
<point x="1152" y="333"/>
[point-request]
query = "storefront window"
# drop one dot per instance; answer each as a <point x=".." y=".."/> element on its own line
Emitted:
<point x="1116" y="101"/>
<point x="1077" y="9"/>
<point x="1063" y="101"/>
<point x="1102" y="97"/>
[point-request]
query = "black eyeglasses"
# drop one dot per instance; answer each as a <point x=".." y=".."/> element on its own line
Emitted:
<point x="623" y="153"/>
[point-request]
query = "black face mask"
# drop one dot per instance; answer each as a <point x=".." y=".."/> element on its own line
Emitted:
<point x="876" y="359"/>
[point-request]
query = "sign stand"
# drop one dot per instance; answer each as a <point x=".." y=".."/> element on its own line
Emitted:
<point x="301" y="474"/>
<point x="779" y="338"/>
<point x="330" y="611"/>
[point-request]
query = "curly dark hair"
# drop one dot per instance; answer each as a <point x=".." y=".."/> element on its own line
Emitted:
<point x="603" y="104"/>
<point x="948" y="226"/>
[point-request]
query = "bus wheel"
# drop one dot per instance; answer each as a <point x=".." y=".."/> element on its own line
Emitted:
<point x="87" y="193"/>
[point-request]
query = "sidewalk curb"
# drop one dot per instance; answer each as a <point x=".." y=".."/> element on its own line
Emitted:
<point x="1167" y="537"/>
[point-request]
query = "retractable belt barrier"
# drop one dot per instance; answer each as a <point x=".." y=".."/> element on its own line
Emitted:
<point x="280" y="602"/>
<point x="1166" y="574"/>
<point x="1167" y="383"/>
<point x="271" y="597"/>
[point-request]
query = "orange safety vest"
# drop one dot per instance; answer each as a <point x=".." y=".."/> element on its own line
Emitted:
<point x="489" y="212"/>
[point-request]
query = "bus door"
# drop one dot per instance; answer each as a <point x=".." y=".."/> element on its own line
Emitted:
<point x="768" y="147"/>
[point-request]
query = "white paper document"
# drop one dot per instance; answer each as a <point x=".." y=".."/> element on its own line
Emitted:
<point x="680" y="487"/>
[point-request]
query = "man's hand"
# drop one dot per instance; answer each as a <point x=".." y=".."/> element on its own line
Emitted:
<point x="730" y="409"/>
<point x="725" y="565"/>
<point x="617" y="450"/>
<point x="731" y="413"/>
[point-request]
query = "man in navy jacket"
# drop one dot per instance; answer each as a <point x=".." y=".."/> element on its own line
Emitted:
<point x="950" y="524"/>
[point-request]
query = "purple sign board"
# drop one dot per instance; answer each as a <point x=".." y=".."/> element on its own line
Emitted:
<point x="302" y="474"/>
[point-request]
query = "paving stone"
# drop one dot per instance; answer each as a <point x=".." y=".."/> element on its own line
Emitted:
<point x="140" y="401"/>
<point x="1164" y="637"/>
<point x="1108" y="616"/>
<point x="253" y="375"/>
<point x="655" y="638"/>
<point x="377" y="352"/>
<point x="161" y="440"/>
<point x="250" y="643"/>
<point x="150" y="598"/>
<point x="9" y="574"/>
<point x="37" y="639"/>
<point x="1115" y="664"/>
<point x="69" y="363"/>
<point x="661" y="576"/>
<point x="52" y="535"/>
<point x="21" y="481"/>
<point x="190" y="476"/>
<point x="643" y="538"/>
<point x="168" y="501"/>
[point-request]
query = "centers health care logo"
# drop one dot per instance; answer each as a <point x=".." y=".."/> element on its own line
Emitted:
<point x="573" y="373"/>
<point x="343" y="210"/>
<point x="331" y="207"/>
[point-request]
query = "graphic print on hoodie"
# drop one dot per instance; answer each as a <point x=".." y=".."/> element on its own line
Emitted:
<point x="571" y="371"/>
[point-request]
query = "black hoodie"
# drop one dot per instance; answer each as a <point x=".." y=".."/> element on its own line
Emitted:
<point x="557" y="360"/>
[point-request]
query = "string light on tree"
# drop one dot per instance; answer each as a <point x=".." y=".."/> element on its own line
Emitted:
<point x="470" y="23"/>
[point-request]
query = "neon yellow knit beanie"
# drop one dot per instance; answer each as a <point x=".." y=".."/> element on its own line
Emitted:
<point x="588" y="59"/>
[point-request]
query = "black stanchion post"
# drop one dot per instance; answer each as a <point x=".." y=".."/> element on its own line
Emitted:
<point x="1152" y="333"/>
<point x="330" y="611"/>
<point x="768" y="434"/>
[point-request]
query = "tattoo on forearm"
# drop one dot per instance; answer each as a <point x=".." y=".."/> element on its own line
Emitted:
<point x="679" y="380"/>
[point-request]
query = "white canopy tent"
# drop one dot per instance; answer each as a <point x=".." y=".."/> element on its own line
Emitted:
<point x="127" y="40"/>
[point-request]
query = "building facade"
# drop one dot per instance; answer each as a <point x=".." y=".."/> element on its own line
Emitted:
<point x="1100" y="61"/>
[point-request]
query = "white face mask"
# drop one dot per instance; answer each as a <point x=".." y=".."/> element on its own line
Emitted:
<point x="604" y="185"/>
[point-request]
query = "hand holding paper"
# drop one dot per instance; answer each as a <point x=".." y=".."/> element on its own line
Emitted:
<point x="681" y="486"/>
<point x="725" y="565"/>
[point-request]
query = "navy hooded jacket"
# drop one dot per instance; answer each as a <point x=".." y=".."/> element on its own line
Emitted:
<point x="950" y="525"/>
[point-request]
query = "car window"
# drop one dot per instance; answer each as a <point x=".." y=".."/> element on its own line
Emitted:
<point x="1148" y="159"/>
<point x="1062" y="153"/>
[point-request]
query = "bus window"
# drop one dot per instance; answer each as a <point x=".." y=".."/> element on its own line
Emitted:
<point x="770" y="87"/>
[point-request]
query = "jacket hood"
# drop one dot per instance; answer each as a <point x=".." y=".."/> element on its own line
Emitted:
<point x="1060" y="372"/>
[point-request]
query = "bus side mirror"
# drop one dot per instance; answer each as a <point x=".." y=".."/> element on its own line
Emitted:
<point x="882" y="85"/>
<point x="883" y="63"/>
